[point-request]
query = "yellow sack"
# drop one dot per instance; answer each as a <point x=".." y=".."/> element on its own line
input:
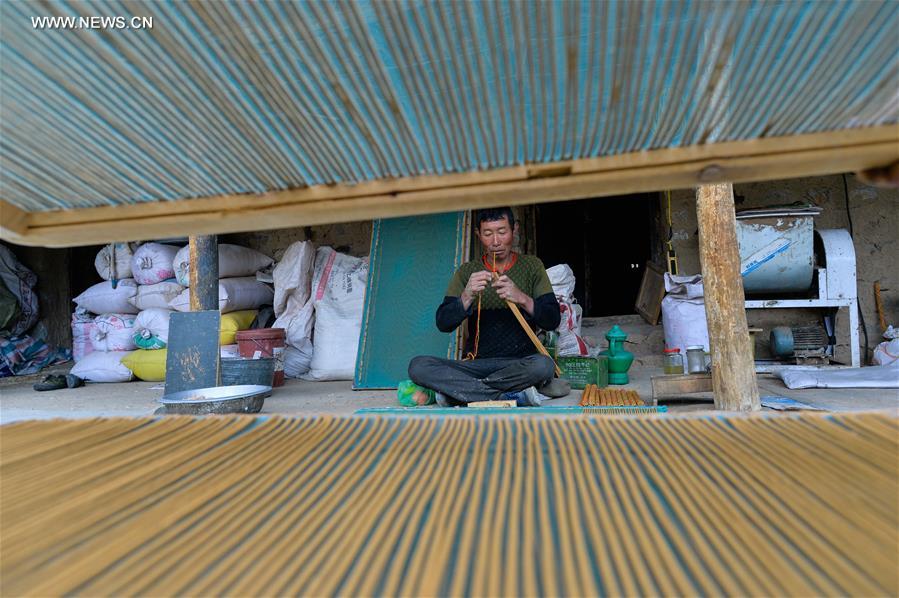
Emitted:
<point x="233" y="322"/>
<point x="147" y="364"/>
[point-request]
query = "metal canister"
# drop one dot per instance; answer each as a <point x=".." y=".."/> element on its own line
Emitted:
<point x="695" y="359"/>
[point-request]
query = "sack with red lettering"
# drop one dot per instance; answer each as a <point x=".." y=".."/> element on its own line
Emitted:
<point x="338" y="294"/>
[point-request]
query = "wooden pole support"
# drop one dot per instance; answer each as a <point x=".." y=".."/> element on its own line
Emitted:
<point x="204" y="273"/>
<point x="733" y="369"/>
<point x="878" y="304"/>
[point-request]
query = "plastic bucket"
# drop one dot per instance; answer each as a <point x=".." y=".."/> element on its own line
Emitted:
<point x="237" y="371"/>
<point x="264" y="342"/>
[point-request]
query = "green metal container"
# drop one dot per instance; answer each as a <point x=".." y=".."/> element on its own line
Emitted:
<point x="238" y="372"/>
<point x="581" y="371"/>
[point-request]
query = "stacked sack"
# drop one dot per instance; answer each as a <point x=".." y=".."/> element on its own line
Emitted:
<point x="153" y="267"/>
<point x="319" y="302"/>
<point x="137" y="277"/>
<point x="240" y="296"/>
<point x="113" y="263"/>
<point x="101" y="330"/>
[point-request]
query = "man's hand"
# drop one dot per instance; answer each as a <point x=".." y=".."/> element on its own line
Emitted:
<point x="509" y="291"/>
<point x="477" y="282"/>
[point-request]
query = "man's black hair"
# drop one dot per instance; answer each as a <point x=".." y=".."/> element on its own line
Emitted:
<point x="494" y="214"/>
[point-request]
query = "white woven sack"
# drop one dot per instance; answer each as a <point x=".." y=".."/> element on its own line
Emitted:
<point x="297" y="359"/>
<point x="113" y="332"/>
<point x="235" y="294"/>
<point x="151" y="324"/>
<point x="683" y="313"/>
<point x="293" y="278"/>
<point x="570" y="341"/>
<point x="123" y="254"/>
<point x="234" y="261"/>
<point x="103" y="299"/>
<point x="562" y="279"/>
<point x="338" y="288"/>
<point x="82" y="326"/>
<point x="150" y="296"/>
<point x="103" y="366"/>
<point x="152" y="263"/>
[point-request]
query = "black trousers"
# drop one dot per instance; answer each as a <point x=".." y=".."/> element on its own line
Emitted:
<point x="480" y="379"/>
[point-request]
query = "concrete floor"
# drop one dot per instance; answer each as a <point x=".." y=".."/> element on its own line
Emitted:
<point x="18" y="401"/>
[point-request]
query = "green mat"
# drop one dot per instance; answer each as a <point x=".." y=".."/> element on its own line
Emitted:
<point x="412" y="261"/>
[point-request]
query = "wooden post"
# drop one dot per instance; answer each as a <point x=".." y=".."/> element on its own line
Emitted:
<point x="204" y="273"/>
<point x="733" y="369"/>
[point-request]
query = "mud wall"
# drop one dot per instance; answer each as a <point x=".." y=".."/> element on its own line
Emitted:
<point x="353" y="238"/>
<point x="875" y="226"/>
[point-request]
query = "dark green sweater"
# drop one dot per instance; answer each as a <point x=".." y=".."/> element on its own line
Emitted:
<point x="501" y="334"/>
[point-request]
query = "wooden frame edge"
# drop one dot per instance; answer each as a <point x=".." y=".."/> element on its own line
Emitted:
<point x="670" y="168"/>
<point x="14" y="223"/>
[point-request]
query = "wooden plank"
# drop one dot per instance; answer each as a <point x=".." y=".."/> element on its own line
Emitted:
<point x="204" y="273"/>
<point x="733" y="369"/>
<point x="742" y="161"/>
<point x="13" y="222"/>
<point x="192" y="360"/>
<point x="652" y="291"/>
<point x="492" y="405"/>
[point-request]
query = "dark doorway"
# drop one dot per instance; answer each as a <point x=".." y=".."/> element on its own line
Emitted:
<point x="606" y="241"/>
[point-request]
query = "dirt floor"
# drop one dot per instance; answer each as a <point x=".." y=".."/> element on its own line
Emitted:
<point x="18" y="401"/>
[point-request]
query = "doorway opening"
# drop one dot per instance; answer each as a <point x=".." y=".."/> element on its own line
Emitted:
<point x="606" y="241"/>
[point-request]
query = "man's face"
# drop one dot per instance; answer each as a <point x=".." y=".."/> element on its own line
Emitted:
<point x="496" y="237"/>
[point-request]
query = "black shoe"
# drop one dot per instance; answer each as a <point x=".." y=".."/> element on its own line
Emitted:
<point x="73" y="381"/>
<point x="555" y="388"/>
<point x="51" y="382"/>
<point x="447" y="401"/>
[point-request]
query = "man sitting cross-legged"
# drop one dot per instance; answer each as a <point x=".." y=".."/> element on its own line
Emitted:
<point x="502" y="361"/>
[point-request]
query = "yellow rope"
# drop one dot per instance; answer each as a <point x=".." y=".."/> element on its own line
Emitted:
<point x="619" y="505"/>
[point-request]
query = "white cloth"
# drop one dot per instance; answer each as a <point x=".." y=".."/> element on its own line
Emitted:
<point x="881" y="376"/>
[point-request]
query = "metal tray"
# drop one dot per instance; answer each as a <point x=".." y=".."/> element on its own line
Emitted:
<point x="217" y="400"/>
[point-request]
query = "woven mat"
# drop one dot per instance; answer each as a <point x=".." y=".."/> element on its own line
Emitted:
<point x="799" y="505"/>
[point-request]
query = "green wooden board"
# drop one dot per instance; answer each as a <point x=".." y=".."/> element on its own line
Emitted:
<point x="412" y="261"/>
<point x="193" y="351"/>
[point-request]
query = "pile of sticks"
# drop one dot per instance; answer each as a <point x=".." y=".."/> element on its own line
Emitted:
<point x="595" y="396"/>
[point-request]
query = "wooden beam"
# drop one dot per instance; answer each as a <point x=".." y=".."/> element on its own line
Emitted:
<point x="204" y="272"/>
<point x="13" y="223"/>
<point x="679" y="386"/>
<point x="739" y="161"/>
<point x="733" y="369"/>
